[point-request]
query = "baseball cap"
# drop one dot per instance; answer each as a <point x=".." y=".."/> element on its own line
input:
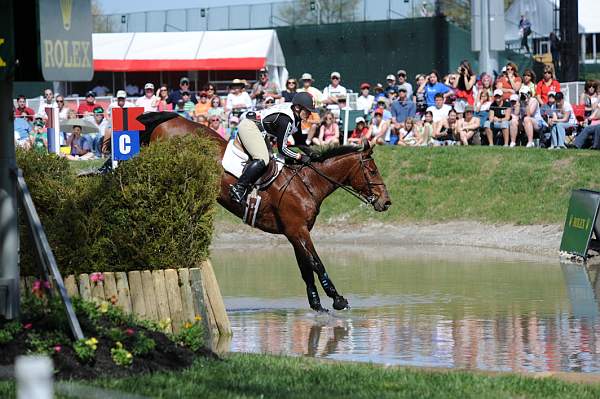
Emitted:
<point x="524" y="89"/>
<point x="184" y="80"/>
<point x="365" y="86"/>
<point x="148" y="86"/>
<point x="306" y="76"/>
<point x="498" y="92"/>
<point x="392" y="90"/>
<point x="514" y="97"/>
<point x="180" y="101"/>
<point x="39" y="122"/>
<point x="90" y="94"/>
<point x="263" y="70"/>
<point x="378" y="111"/>
<point x="401" y="72"/>
<point x="98" y="109"/>
<point x="121" y="94"/>
<point x="359" y="119"/>
<point x="185" y="93"/>
<point x="552" y="93"/>
<point x="390" y="77"/>
<point x="401" y="88"/>
<point x="335" y="74"/>
<point x="379" y="86"/>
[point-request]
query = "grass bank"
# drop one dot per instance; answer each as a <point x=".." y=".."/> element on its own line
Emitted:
<point x="492" y="185"/>
<point x="261" y="376"/>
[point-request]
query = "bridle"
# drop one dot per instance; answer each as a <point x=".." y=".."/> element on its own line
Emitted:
<point x="368" y="199"/>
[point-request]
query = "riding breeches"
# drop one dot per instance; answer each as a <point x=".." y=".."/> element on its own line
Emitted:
<point x="253" y="141"/>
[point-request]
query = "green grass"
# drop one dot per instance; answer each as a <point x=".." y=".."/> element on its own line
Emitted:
<point x="261" y="376"/>
<point x="492" y="185"/>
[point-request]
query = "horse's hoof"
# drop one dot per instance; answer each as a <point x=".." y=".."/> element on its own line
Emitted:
<point x="340" y="303"/>
<point x="319" y="308"/>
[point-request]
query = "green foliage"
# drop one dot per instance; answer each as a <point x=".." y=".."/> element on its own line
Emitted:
<point x="115" y="334"/>
<point x="121" y="356"/>
<point x="9" y="331"/>
<point x="86" y="349"/>
<point x="191" y="336"/>
<point x="155" y="211"/>
<point x="142" y="344"/>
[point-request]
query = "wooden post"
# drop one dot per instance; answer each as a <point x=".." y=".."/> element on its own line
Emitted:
<point x="71" y="286"/>
<point x="186" y="295"/>
<point x="137" y="294"/>
<point x="123" y="292"/>
<point x="149" y="295"/>
<point x="215" y="300"/>
<point x="85" y="290"/>
<point x="200" y="304"/>
<point x="98" y="291"/>
<point x="162" y="301"/>
<point x="174" y="298"/>
<point x="110" y="288"/>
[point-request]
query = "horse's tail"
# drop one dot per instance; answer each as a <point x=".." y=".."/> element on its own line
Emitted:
<point x="151" y="120"/>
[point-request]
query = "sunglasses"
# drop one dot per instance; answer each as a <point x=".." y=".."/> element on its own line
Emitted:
<point x="185" y="83"/>
<point x="291" y="83"/>
<point x="335" y="78"/>
<point x="215" y="120"/>
<point x="270" y="102"/>
<point x="59" y="101"/>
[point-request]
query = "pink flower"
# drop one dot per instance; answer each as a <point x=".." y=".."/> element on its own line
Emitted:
<point x="47" y="284"/>
<point x="130" y="331"/>
<point x="95" y="277"/>
<point x="57" y="348"/>
<point x="27" y="326"/>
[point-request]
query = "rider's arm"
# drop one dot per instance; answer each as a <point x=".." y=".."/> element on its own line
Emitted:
<point x="281" y="126"/>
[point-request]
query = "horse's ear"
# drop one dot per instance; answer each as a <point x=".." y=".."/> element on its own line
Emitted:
<point x="366" y="146"/>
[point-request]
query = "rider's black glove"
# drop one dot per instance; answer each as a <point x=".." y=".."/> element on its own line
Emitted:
<point x="304" y="159"/>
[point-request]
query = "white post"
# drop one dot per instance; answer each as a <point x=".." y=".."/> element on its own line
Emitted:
<point x="34" y="377"/>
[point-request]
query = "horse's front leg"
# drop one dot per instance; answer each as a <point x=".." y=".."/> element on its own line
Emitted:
<point x="307" y="273"/>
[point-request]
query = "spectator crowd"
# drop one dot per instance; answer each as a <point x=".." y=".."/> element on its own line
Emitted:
<point x="514" y="108"/>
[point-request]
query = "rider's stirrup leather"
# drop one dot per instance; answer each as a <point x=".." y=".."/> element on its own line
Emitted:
<point x="253" y="171"/>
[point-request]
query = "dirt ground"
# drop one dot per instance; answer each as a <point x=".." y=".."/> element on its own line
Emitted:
<point x="538" y="240"/>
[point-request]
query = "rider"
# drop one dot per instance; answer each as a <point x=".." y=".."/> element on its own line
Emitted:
<point x="281" y="121"/>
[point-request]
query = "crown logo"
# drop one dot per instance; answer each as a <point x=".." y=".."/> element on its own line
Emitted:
<point x="66" y="7"/>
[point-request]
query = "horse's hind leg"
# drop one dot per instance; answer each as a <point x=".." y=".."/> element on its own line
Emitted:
<point x="305" y="250"/>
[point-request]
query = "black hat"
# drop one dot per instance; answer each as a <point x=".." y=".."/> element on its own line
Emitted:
<point x="304" y="100"/>
<point x="90" y="93"/>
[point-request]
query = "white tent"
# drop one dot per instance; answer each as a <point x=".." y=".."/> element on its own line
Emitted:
<point x="190" y="51"/>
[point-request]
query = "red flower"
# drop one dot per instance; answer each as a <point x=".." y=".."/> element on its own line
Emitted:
<point x="130" y="331"/>
<point x="27" y="326"/>
<point x="57" y="348"/>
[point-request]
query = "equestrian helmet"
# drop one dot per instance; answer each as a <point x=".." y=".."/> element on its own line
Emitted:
<point x="304" y="100"/>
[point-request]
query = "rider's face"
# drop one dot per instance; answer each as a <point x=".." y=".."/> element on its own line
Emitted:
<point x="304" y="114"/>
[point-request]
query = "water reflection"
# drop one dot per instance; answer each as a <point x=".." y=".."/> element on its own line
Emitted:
<point x="476" y="313"/>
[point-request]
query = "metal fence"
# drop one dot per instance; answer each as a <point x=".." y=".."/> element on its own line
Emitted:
<point x="268" y="15"/>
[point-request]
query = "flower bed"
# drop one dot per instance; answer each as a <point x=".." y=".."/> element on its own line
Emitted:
<point x="116" y="344"/>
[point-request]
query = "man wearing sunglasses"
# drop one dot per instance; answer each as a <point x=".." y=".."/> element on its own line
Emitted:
<point x="281" y="121"/>
<point x="176" y="95"/>
<point x="333" y="92"/>
<point x="264" y="88"/>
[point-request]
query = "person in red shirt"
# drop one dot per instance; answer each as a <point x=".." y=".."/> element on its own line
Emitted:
<point x="509" y="82"/>
<point x="87" y="108"/>
<point x="546" y="85"/>
<point x="22" y="110"/>
<point x="360" y="132"/>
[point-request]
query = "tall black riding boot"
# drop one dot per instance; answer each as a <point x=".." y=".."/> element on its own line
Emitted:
<point x="253" y="171"/>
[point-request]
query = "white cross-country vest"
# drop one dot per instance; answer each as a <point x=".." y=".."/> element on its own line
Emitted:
<point x="285" y="108"/>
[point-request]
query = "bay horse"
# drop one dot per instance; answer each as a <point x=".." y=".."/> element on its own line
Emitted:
<point x="290" y="205"/>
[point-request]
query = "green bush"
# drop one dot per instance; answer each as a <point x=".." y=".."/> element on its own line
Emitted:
<point x="155" y="211"/>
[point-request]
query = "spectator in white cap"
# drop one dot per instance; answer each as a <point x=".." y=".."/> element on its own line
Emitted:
<point x="120" y="103"/>
<point x="263" y="88"/>
<point x="149" y="101"/>
<point x="360" y="132"/>
<point x="498" y="118"/>
<point x="333" y="92"/>
<point x="306" y="81"/>
<point x="391" y="83"/>
<point x="365" y="100"/>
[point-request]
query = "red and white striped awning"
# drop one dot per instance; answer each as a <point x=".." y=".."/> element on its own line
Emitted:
<point x="187" y="51"/>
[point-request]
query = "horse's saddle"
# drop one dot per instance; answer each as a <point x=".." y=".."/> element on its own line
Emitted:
<point x="235" y="159"/>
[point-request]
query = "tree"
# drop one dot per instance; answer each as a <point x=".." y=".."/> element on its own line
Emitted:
<point x="307" y="11"/>
<point x="101" y="23"/>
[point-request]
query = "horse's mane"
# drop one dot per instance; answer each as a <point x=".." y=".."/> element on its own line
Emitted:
<point x="320" y="153"/>
<point x="151" y="120"/>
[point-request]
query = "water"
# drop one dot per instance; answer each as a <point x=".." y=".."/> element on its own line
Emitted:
<point x="440" y="307"/>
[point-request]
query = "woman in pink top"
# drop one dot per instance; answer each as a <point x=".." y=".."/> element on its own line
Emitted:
<point x="329" y="132"/>
<point x="162" y="105"/>
<point x="215" y="124"/>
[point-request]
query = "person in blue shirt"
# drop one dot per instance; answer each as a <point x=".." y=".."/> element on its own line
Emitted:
<point x="22" y="130"/>
<point x="402" y="108"/>
<point x="433" y="87"/>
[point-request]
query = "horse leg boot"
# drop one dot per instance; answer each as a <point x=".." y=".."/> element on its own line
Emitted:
<point x="339" y="302"/>
<point x="254" y="169"/>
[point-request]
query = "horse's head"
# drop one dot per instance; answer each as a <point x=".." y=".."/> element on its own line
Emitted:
<point x="367" y="181"/>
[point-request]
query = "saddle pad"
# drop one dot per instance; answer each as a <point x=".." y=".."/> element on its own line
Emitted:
<point x="234" y="160"/>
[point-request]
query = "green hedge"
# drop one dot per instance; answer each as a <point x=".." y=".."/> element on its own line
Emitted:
<point x="155" y="211"/>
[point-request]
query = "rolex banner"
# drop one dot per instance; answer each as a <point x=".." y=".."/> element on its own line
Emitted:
<point x="581" y="222"/>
